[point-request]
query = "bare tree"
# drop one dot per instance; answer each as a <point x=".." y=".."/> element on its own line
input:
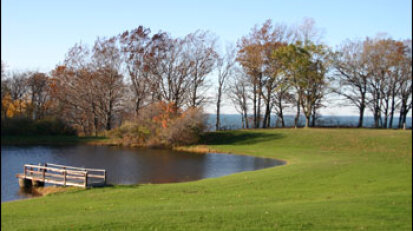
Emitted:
<point x="19" y="91"/>
<point x="238" y="93"/>
<point x="381" y="53"/>
<point x="138" y="51"/>
<point x="405" y="84"/>
<point x="200" y="49"/>
<point x="225" y="69"/>
<point x="171" y="67"/>
<point x="106" y="60"/>
<point x="352" y="75"/>
<point x="38" y="84"/>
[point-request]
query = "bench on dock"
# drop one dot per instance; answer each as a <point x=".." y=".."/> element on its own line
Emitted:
<point x="38" y="175"/>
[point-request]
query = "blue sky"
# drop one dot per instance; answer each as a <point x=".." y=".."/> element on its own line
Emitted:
<point x="35" y="35"/>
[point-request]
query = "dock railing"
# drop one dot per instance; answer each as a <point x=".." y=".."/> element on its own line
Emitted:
<point x="63" y="175"/>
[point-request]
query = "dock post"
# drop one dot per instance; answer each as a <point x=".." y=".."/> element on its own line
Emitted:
<point x="85" y="179"/>
<point x="25" y="183"/>
<point x="64" y="174"/>
<point x="44" y="172"/>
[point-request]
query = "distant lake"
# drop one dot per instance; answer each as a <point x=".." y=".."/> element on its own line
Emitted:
<point x="233" y="121"/>
<point x="124" y="165"/>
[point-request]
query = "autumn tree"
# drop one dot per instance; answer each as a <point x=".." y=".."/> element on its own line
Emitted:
<point x="254" y="53"/>
<point x="4" y="89"/>
<point x="294" y="62"/>
<point x="75" y="85"/>
<point x="18" y="90"/>
<point x="275" y="88"/>
<point x="314" y="83"/>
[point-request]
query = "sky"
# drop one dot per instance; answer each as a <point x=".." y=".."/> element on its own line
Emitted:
<point x="35" y="35"/>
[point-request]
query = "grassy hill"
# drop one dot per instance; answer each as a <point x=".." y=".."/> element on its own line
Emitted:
<point x="335" y="179"/>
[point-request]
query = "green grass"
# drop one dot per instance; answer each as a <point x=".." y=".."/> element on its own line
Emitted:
<point x="48" y="140"/>
<point x="336" y="179"/>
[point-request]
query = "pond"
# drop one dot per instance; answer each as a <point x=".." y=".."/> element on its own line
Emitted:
<point x="124" y="165"/>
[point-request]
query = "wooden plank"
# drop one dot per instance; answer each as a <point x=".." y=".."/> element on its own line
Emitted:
<point x="52" y="181"/>
<point x="56" y="169"/>
<point x="96" y="176"/>
<point x="80" y="168"/>
<point x="40" y="175"/>
<point x="71" y="175"/>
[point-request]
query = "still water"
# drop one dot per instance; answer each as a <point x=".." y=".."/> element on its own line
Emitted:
<point x="124" y="165"/>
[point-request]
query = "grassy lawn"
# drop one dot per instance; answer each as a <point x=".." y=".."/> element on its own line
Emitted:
<point x="335" y="179"/>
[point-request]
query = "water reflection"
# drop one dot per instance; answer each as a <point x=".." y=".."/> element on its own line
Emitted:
<point x="124" y="165"/>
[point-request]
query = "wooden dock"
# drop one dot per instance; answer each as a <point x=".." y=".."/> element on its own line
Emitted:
<point x="38" y="175"/>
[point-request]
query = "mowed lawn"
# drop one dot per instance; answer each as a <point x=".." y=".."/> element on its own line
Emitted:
<point x="335" y="179"/>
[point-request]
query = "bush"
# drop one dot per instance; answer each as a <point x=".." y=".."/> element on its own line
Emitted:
<point x="161" y="125"/>
<point x="185" y="129"/>
<point x="29" y="127"/>
<point x="130" y="133"/>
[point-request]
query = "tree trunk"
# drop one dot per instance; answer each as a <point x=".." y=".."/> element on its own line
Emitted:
<point x="314" y="116"/>
<point x="297" y="116"/>
<point x="218" y="125"/>
<point x="138" y="105"/>
<point x="194" y="96"/>
<point x="361" y="118"/>
<point x="280" y="114"/>
<point x="282" y="118"/>
<point x="96" y="123"/>
<point x="392" y="110"/>
<point x="377" y="110"/>
<point x="218" y="122"/>
<point x="404" y="121"/>
<point x="386" y="110"/>
<point x="362" y="109"/>
<point x="405" y="112"/>
<point x="259" y="102"/>
<point x="246" y="120"/>
<point x="307" y="121"/>
<point x="266" y="122"/>
<point x="255" y="104"/>
<point x="242" y="120"/>
<point x="109" y="116"/>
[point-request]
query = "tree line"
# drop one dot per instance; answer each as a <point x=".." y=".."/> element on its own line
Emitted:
<point x="274" y="68"/>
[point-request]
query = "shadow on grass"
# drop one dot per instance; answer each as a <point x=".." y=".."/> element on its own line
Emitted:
<point x="238" y="137"/>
